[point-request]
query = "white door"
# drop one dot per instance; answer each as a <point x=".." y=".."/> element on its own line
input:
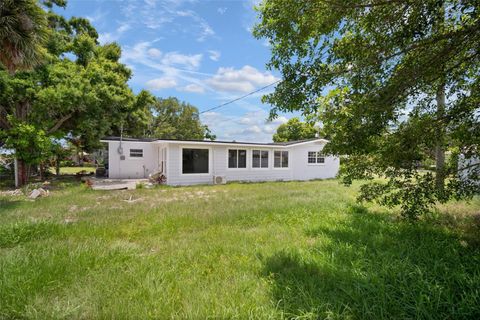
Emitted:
<point x="162" y="160"/>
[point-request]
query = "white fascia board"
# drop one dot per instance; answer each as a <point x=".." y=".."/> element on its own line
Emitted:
<point x="126" y="141"/>
<point x="209" y="143"/>
<point x="307" y="142"/>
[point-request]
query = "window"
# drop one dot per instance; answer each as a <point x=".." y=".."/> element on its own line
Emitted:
<point x="136" y="153"/>
<point x="280" y="159"/>
<point x="259" y="159"/>
<point x="237" y="158"/>
<point x="194" y="161"/>
<point x="315" y="157"/>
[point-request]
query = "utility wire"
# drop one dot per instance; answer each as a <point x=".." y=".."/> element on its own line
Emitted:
<point x="240" y="98"/>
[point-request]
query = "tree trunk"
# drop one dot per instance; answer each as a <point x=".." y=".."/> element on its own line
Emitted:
<point x="21" y="178"/>
<point x="41" y="170"/>
<point x="57" y="165"/>
<point x="78" y="156"/>
<point x="440" y="143"/>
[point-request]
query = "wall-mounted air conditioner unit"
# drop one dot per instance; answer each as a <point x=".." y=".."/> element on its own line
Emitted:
<point x="219" y="179"/>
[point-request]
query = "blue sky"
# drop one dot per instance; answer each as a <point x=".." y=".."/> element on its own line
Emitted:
<point x="199" y="51"/>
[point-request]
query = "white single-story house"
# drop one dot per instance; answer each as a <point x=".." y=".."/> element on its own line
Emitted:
<point x="187" y="162"/>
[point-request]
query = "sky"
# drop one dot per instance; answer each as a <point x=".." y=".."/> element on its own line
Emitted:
<point x="200" y="51"/>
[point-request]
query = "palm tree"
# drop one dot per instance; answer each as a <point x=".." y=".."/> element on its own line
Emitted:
<point x="23" y="29"/>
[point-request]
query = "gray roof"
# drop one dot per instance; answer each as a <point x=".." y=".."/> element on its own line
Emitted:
<point x="215" y="141"/>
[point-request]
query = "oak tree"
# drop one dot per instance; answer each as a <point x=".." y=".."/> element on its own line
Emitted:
<point x="394" y="83"/>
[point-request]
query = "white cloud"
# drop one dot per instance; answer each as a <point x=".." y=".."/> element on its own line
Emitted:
<point x="155" y="53"/>
<point x="187" y="61"/>
<point x="203" y="27"/>
<point x="245" y="79"/>
<point x="214" y="55"/>
<point x="251" y="126"/>
<point x="252" y="129"/>
<point x="161" y="83"/>
<point x="156" y="15"/>
<point x="109" y="37"/>
<point x="143" y="53"/>
<point x="123" y="28"/>
<point x="279" y="120"/>
<point x="222" y="10"/>
<point x="250" y="17"/>
<point x="194" y="88"/>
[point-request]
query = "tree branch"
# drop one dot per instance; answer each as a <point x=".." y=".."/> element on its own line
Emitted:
<point x="59" y="123"/>
<point x="469" y="167"/>
<point x="3" y="122"/>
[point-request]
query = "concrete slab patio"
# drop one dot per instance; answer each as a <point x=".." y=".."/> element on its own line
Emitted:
<point x="116" y="184"/>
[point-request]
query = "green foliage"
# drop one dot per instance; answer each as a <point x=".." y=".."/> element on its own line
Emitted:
<point x="18" y="233"/>
<point x="375" y="74"/>
<point x="293" y="130"/>
<point x="23" y="31"/>
<point x="30" y="144"/>
<point x="81" y="99"/>
<point x="167" y="119"/>
<point x="176" y="120"/>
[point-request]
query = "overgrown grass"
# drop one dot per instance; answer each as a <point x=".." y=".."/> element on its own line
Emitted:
<point x="73" y="170"/>
<point x="300" y="250"/>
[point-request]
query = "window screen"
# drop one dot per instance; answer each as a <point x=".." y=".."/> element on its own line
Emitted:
<point x="259" y="159"/>
<point x="280" y="159"/>
<point x="316" y="157"/>
<point x="136" y="153"/>
<point x="195" y="161"/>
<point x="237" y="158"/>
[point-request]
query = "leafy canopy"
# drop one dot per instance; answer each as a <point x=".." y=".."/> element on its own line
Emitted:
<point x="294" y="129"/>
<point x="169" y="118"/>
<point x="80" y="91"/>
<point x="376" y="74"/>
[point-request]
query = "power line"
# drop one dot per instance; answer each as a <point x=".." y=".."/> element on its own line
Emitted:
<point x="240" y="98"/>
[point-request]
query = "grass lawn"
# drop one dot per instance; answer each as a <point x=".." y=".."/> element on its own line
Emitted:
<point x="300" y="250"/>
<point x="73" y="170"/>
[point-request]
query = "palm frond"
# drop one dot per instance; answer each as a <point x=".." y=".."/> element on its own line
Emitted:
<point x="23" y="30"/>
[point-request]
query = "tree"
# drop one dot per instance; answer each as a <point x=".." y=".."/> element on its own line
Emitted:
<point x="169" y="119"/>
<point x="392" y="81"/>
<point x="293" y="130"/>
<point x="23" y="29"/>
<point x="22" y="33"/>
<point x="79" y="99"/>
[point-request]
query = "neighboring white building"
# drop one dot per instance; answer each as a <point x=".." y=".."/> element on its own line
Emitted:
<point x="469" y="169"/>
<point x="187" y="162"/>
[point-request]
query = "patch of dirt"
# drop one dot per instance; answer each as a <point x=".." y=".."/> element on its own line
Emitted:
<point x="75" y="208"/>
<point x="69" y="220"/>
<point x="130" y="200"/>
<point x="16" y="192"/>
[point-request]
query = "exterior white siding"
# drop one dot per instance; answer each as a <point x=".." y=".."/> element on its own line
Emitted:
<point x="174" y="167"/>
<point x="298" y="166"/>
<point x="302" y="170"/>
<point x="132" y="168"/>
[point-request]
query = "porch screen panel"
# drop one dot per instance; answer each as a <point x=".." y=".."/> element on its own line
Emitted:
<point x="242" y="158"/>
<point x="256" y="158"/>
<point x="264" y="159"/>
<point x="232" y="158"/>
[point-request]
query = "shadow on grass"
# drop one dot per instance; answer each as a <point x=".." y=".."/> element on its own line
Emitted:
<point x="6" y="205"/>
<point x="369" y="267"/>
